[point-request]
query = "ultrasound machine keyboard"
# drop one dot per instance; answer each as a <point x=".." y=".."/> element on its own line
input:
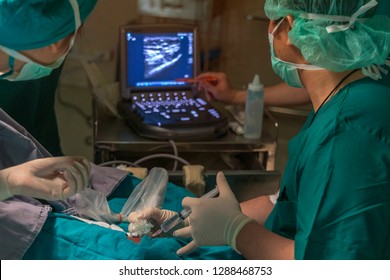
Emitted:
<point x="173" y="109"/>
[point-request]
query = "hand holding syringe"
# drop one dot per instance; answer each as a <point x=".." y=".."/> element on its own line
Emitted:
<point x="181" y="216"/>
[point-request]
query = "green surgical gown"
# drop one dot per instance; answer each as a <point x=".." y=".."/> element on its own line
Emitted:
<point x="335" y="193"/>
<point x="31" y="104"/>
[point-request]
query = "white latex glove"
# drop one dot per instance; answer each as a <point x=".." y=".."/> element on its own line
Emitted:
<point x="213" y="221"/>
<point x="158" y="215"/>
<point x="52" y="178"/>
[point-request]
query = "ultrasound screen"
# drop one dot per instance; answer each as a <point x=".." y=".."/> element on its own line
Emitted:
<point x="158" y="60"/>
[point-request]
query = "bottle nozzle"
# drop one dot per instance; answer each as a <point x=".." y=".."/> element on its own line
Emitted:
<point x="256" y="84"/>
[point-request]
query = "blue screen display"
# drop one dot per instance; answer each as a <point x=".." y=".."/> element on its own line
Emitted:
<point x="158" y="60"/>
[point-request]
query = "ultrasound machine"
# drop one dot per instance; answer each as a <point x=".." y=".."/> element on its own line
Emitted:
<point x="158" y="101"/>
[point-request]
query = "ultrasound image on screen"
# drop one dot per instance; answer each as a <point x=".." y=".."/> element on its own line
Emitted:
<point x="161" y="53"/>
<point x="159" y="59"/>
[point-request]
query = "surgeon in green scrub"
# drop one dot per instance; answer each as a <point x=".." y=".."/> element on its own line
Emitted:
<point x="31" y="104"/>
<point x="29" y="98"/>
<point x="334" y="200"/>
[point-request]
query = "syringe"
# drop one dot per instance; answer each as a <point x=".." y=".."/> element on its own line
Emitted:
<point x="179" y="217"/>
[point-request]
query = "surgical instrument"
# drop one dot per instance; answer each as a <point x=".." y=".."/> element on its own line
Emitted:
<point x="183" y="214"/>
<point x="196" y="80"/>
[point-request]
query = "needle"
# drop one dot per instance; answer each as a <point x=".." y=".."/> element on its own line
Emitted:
<point x="179" y="217"/>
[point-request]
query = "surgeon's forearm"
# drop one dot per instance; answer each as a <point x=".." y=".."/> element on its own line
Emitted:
<point x="257" y="208"/>
<point x="239" y="97"/>
<point x="282" y="95"/>
<point x="256" y="242"/>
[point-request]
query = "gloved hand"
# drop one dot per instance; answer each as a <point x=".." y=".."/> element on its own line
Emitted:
<point x="52" y="178"/>
<point x="158" y="215"/>
<point x="213" y="221"/>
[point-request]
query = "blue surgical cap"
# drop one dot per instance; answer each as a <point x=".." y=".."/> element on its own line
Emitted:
<point x="32" y="24"/>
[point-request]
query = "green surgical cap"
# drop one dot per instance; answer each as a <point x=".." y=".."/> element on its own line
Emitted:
<point x="32" y="24"/>
<point x="326" y="36"/>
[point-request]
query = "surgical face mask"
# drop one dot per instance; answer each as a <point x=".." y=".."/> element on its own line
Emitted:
<point x="288" y="71"/>
<point x="32" y="70"/>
